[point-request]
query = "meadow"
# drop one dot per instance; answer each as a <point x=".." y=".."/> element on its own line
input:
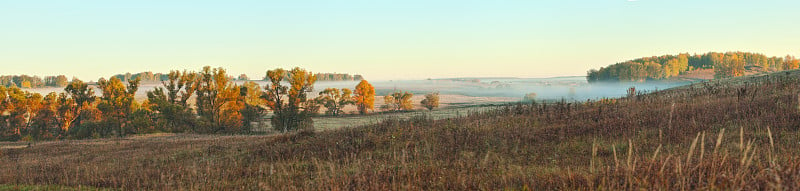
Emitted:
<point x="729" y="134"/>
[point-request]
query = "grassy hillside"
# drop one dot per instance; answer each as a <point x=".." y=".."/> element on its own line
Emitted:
<point x="738" y="133"/>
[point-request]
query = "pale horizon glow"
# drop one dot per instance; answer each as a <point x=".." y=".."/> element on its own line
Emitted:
<point x="381" y="40"/>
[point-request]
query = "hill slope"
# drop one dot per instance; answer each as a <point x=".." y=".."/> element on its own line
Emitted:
<point x="738" y="133"/>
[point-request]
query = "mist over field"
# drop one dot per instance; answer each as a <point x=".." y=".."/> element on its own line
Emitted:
<point x="574" y="88"/>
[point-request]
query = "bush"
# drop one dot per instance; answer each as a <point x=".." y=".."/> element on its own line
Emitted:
<point x="530" y="97"/>
<point x="431" y="101"/>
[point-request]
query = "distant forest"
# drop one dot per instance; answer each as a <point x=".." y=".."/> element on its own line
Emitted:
<point x="144" y="76"/>
<point x="729" y="64"/>
<point x="338" y="77"/>
<point x="25" y="81"/>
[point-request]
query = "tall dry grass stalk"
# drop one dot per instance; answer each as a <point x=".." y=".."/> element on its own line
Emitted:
<point x="744" y="160"/>
<point x="771" y="147"/>
<point x="741" y="138"/>
<point x="592" y="164"/>
<point x="616" y="161"/>
<point x="665" y="173"/>
<point x="655" y="154"/>
<point x="629" y="162"/>
<point x="691" y="149"/>
<point x="719" y="140"/>
<point x="702" y="145"/>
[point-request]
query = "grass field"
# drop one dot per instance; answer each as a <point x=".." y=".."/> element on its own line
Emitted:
<point x="739" y="133"/>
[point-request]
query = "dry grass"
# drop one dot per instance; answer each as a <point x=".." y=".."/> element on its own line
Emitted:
<point x="729" y="135"/>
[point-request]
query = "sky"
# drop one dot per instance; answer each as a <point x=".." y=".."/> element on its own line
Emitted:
<point x="380" y="39"/>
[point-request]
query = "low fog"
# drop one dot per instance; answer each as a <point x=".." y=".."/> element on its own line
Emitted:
<point x="569" y="88"/>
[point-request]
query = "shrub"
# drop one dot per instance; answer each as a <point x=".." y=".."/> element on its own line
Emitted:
<point x="530" y="97"/>
<point x="431" y="101"/>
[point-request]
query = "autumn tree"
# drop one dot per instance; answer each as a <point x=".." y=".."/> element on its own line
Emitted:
<point x="117" y="103"/>
<point x="5" y="128"/>
<point x="335" y="100"/>
<point x="19" y="109"/>
<point x="170" y="102"/>
<point x="254" y="104"/>
<point x="290" y="105"/>
<point x="364" y="97"/>
<point x="46" y="124"/>
<point x="431" y="101"/>
<point x="218" y="102"/>
<point x="61" y="81"/>
<point x="180" y="86"/>
<point x="82" y="97"/>
<point x="790" y="63"/>
<point x="398" y="101"/>
<point x="731" y="66"/>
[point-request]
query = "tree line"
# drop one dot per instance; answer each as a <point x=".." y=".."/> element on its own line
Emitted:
<point x="158" y="77"/>
<point x="729" y="64"/>
<point x="338" y="77"/>
<point x="143" y="76"/>
<point x="206" y="101"/>
<point x="25" y="81"/>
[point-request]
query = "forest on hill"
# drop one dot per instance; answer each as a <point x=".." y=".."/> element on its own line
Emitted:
<point x="729" y="64"/>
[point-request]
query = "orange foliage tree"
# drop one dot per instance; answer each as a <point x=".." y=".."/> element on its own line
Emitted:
<point x="364" y="97"/>
<point x="218" y="102"/>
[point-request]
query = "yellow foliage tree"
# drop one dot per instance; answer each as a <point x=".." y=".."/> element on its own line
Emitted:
<point x="117" y="102"/>
<point x="335" y="100"/>
<point x="398" y="101"/>
<point x="295" y="111"/>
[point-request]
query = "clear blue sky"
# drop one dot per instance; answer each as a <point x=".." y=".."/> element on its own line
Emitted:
<point x="408" y="39"/>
